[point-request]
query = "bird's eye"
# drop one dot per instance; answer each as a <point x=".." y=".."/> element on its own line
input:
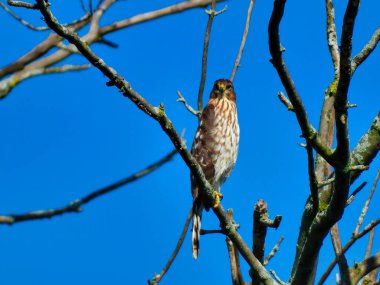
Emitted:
<point x="229" y="86"/>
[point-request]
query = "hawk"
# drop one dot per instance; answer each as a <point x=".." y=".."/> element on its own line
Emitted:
<point x="215" y="148"/>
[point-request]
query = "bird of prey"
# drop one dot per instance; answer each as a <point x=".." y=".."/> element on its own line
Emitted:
<point x="215" y="148"/>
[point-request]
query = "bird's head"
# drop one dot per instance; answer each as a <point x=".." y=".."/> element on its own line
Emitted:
<point x="223" y="88"/>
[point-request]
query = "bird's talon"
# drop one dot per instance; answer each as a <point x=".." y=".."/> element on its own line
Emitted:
<point x="218" y="198"/>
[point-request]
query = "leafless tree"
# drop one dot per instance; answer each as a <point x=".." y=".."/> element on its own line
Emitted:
<point x="331" y="171"/>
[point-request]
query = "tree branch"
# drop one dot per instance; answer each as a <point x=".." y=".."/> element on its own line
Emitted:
<point x="243" y="40"/>
<point x="158" y="277"/>
<point x="363" y="268"/>
<point x="75" y="206"/>
<point x="158" y="114"/>
<point x="348" y="245"/>
<point x="367" y="148"/>
<point x="273" y="251"/>
<point x="332" y="37"/>
<point x="211" y="14"/>
<point x="366" y="204"/>
<point x="342" y="261"/>
<point x="308" y="132"/>
<point x="366" y="51"/>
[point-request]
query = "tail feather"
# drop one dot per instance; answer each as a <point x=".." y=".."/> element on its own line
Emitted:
<point x="197" y="216"/>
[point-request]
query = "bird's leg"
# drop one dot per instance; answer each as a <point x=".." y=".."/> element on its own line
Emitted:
<point x="218" y="197"/>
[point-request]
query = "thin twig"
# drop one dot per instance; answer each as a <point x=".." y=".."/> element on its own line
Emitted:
<point x="284" y="100"/>
<point x="277" y="278"/>
<point x="211" y="14"/>
<point x="158" y="277"/>
<point x="366" y="204"/>
<point x="207" y="232"/>
<point x="273" y="251"/>
<point x="188" y="107"/>
<point x="22" y="21"/>
<point x="355" y="192"/>
<point x="75" y="206"/>
<point x="243" y="40"/>
<point x="348" y="245"/>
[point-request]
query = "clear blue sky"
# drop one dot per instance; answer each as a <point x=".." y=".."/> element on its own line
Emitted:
<point x="66" y="135"/>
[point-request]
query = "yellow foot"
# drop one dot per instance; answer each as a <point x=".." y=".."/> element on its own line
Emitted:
<point x="217" y="199"/>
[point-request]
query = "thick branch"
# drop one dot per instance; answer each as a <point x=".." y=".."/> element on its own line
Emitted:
<point x="367" y="148"/>
<point x="75" y="206"/>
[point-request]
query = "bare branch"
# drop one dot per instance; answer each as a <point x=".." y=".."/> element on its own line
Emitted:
<point x="278" y="62"/>
<point x="332" y="37"/>
<point x="188" y="107"/>
<point x="367" y="148"/>
<point x="273" y="251"/>
<point x="243" y="40"/>
<point x="211" y="14"/>
<point x="363" y="268"/>
<point x="313" y="182"/>
<point x="158" y="114"/>
<point x="348" y="245"/>
<point x="366" y="51"/>
<point x="7" y="85"/>
<point x="355" y="192"/>
<point x="75" y="206"/>
<point x="32" y="60"/>
<point x="261" y="222"/>
<point x="277" y="278"/>
<point x="236" y="275"/>
<point x="158" y="277"/>
<point x="23" y="4"/>
<point x="22" y="21"/>
<point x="366" y="204"/>
<point x="342" y="261"/>
<point x="285" y="101"/>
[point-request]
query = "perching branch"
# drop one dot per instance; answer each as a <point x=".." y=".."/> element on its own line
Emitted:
<point x="75" y="206"/>
<point x="158" y="114"/>
<point x="243" y="40"/>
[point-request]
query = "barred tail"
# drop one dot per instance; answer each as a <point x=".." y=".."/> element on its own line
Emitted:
<point x="197" y="216"/>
